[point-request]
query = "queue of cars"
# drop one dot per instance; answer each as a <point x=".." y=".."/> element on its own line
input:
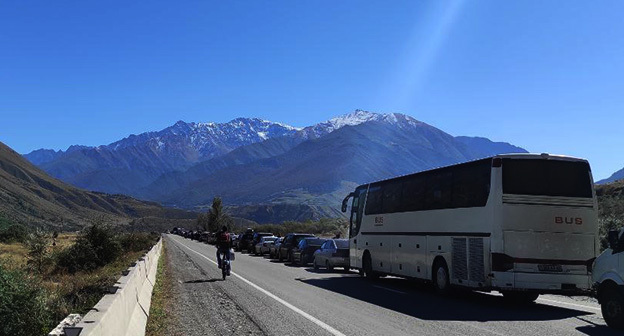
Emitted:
<point x="297" y="248"/>
<point x="303" y="249"/>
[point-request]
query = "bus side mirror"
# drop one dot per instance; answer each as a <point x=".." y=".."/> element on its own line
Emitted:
<point x="613" y="237"/>
<point x="344" y="202"/>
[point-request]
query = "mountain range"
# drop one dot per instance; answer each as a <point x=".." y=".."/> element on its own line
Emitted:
<point x="30" y="196"/>
<point x="617" y="176"/>
<point x="261" y="167"/>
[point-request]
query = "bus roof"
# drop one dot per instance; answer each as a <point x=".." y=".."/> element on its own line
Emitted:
<point x="546" y="156"/>
<point x="538" y="156"/>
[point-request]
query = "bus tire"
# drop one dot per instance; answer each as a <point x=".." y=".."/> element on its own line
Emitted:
<point x="612" y="306"/>
<point x="367" y="267"/>
<point x="440" y="276"/>
<point x="520" y="297"/>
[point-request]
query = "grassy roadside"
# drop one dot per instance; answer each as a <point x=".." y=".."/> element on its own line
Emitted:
<point x="43" y="279"/>
<point x="159" y="315"/>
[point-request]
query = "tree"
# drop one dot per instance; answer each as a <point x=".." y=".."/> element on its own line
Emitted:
<point x="217" y="216"/>
<point x="38" y="243"/>
<point x="203" y="221"/>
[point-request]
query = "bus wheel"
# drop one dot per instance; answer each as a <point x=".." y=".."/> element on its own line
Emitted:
<point x="441" y="281"/>
<point x="520" y="297"/>
<point x="367" y="266"/>
<point x="612" y="306"/>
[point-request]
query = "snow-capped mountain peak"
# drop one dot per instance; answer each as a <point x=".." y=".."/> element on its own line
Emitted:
<point x="358" y="117"/>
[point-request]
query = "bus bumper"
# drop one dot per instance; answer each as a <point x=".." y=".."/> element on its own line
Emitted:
<point x="569" y="284"/>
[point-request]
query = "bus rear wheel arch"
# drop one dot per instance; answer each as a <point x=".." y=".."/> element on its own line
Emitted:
<point x="440" y="276"/>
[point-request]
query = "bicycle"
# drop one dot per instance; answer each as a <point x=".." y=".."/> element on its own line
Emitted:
<point x="226" y="266"/>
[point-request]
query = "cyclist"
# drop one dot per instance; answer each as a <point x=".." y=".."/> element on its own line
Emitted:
<point x="224" y="243"/>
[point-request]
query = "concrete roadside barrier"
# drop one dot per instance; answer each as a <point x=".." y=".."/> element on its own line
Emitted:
<point x="125" y="310"/>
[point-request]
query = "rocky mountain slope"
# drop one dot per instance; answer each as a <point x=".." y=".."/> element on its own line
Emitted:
<point x="31" y="197"/>
<point x="136" y="161"/>
<point x="617" y="176"/>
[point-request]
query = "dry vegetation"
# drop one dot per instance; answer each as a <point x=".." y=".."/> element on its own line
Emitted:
<point x="160" y="310"/>
<point x="35" y="296"/>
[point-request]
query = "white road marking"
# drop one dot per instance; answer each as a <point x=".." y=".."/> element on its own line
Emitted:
<point x="568" y="304"/>
<point x="390" y="289"/>
<point x="311" y="318"/>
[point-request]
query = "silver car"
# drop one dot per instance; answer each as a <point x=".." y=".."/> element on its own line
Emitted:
<point x="333" y="253"/>
<point x="274" y="247"/>
<point x="263" y="245"/>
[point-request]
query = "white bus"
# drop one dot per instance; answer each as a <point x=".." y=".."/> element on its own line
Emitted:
<point x="522" y="224"/>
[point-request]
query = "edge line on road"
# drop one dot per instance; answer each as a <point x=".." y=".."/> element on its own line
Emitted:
<point x="311" y="318"/>
<point x="568" y="304"/>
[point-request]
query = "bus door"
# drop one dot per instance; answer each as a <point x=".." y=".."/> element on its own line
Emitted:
<point x="355" y="221"/>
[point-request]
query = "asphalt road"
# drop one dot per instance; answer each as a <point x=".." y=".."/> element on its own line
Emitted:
<point x="285" y="300"/>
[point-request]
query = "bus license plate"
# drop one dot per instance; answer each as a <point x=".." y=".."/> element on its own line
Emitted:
<point x="550" y="268"/>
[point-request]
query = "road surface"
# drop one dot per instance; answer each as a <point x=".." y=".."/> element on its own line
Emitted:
<point x="278" y="299"/>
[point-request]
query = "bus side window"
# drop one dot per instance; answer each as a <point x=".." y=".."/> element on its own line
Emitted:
<point x="374" y="200"/>
<point x="392" y="197"/>
<point x="413" y="194"/>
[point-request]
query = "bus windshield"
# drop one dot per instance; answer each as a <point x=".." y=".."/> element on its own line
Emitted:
<point x="541" y="177"/>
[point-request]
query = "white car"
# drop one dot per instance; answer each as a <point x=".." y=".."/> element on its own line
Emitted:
<point x="333" y="253"/>
<point x="608" y="277"/>
<point x="263" y="245"/>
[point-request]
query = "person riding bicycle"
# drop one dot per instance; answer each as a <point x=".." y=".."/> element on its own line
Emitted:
<point x="224" y="243"/>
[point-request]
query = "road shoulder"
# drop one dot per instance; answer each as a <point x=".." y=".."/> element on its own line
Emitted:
<point x="200" y="305"/>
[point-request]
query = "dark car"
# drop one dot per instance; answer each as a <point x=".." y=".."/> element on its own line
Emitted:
<point x="290" y="241"/>
<point x="303" y="253"/>
<point x="333" y="253"/>
<point x="251" y="246"/>
<point x="204" y="236"/>
<point x="243" y="240"/>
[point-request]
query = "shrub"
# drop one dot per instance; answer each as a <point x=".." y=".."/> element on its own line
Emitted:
<point x="38" y="244"/>
<point x="96" y="246"/>
<point x="607" y="224"/>
<point x="23" y="309"/>
<point x="138" y="241"/>
<point x="12" y="233"/>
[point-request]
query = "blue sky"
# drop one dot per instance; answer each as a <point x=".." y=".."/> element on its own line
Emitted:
<point x="537" y="74"/>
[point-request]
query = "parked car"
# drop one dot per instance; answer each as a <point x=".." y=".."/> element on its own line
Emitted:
<point x="333" y="253"/>
<point x="244" y="239"/>
<point x="608" y="277"/>
<point x="273" y="247"/>
<point x="262" y="246"/>
<point x="290" y="241"/>
<point x="204" y="236"/>
<point x="303" y="253"/>
<point x="256" y="239"/>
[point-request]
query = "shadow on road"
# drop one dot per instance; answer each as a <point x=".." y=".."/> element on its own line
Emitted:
<point x="414" y="299"/>
<point x="323" y="270"/>
<point x="594" y="329"/>
<point x="203" y="280"/>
